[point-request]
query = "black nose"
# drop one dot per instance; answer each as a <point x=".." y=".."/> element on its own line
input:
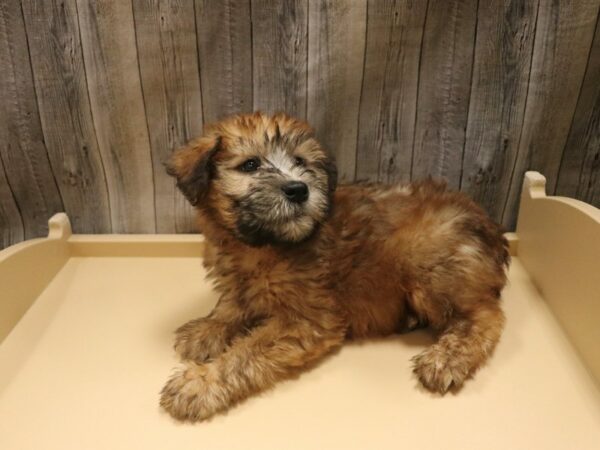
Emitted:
<point x="295" y="191"/>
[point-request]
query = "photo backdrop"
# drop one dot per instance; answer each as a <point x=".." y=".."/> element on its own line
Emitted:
<point x="94" y="95"/>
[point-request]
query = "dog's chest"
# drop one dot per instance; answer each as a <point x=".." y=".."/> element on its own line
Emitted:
<point x="264" y="279"/>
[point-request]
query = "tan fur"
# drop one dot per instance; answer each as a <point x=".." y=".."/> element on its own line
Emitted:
<point x="385" y="258"/>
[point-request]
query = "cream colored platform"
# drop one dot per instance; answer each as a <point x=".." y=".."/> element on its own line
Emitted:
<point x="82" y="368"/>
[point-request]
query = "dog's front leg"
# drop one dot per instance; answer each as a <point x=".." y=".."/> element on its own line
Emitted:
<point x="208" y="337"/>
<point x="273" y="351"/>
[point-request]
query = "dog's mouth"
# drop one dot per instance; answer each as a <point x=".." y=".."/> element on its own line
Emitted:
<point x="281" y="223"/>
<point x="293" y="212"/>
<point x="290" y="228"/>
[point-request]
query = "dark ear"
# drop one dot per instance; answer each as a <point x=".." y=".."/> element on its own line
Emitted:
<point x="332" y="173"/>
<point x="193" y="168"/>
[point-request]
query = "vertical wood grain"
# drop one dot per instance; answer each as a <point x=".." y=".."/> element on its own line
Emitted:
<point x="66" y="118"/>
<point x="579" y="174"/>
<point x="167" y="51"/>
<point x="11" y="224"/>
<point x="389" y="89"/>
<point x="225" y="52"/>
<point x="336" y="42"/>
<point x="563" y="39"/>
<point x="22" y="148"/>
<point x="95" y="95"/>
<point x="110" y="55"/>
<point x="444" y="88"/>
<point x="279" y="48"/>
<point x="505" y="35"/>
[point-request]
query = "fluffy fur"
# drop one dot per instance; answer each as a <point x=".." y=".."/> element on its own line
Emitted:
<point x="298" y="279"/>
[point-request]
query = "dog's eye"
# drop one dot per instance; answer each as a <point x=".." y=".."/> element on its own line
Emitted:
<point x="251" y="165"/>
<point x="299" y="161"/>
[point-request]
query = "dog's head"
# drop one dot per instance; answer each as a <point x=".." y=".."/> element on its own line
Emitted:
<point x="263" y="178"/>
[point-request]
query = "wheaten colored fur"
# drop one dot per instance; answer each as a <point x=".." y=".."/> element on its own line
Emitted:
<point x="297" y="280"/>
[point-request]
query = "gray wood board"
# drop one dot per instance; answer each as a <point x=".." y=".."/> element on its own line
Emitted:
<point x="444" y="88"/>
<point x="505" y="36"/>
<point x="66" y="118"/>
<point x="11" y="224"/>
<point x="336" y="49"/>
<point x="111" y="61"/>
<point x="579" y="174"/>
<point x="563" y="38"/>
<point x="22" y="148"/>
<point x="279" y="56"/>
<point x="168" y="57"/>
<point x="225" y="52"/>
<point x="389" y="90"/>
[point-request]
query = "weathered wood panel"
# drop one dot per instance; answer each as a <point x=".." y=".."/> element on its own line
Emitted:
<point x="110" y="55"/>
<point x="336" y="42"/>
<point x="11" y="225"/>
<point x="579" y="174"/>
<point x="444" y="88"/>
<point x="389" y="89"/>
<point x="22" y="146"/>
<point x="168" y="55"/>
<point x="95" y="95"/>
<point x="280" y="52"/>
<point x="225" y="51"/>
<point x="505" y="36"/>
<point x="66" y="118"/>
<point x="563" y="38"/>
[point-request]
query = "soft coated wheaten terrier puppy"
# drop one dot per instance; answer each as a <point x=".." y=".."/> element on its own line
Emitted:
<point x="301" y="267"/>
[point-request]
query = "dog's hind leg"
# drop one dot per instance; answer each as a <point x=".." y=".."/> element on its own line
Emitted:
<point x="273" y="351"/>
<point x="463" y="346"/>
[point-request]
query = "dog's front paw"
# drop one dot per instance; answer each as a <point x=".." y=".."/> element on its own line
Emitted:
<point x="439" y="371"/>
<point x="194" y="394"/>
<point x="200" y="340"/>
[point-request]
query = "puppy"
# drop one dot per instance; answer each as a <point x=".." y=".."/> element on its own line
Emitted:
<point x="301" y="267"/>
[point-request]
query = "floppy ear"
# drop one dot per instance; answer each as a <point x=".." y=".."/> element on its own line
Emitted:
<point x="193" y="168"/>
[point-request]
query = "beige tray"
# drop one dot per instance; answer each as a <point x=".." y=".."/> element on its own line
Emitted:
<point x="87" y="323"/>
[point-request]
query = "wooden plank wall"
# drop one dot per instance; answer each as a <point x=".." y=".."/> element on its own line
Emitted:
<point x="95" y="94"/>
